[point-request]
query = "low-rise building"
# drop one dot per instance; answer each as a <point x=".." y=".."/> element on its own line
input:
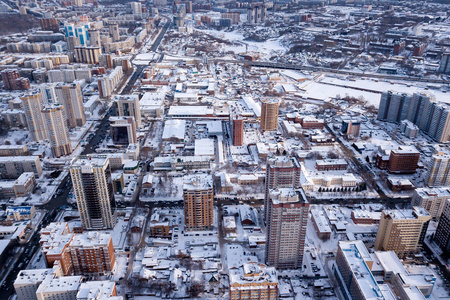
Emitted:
<point x="360" y="216"/>
<point x="321" y="225"/>
<point x="331" y="164"/>
<point x="19" y="213"/>
<point x="253" y="281"/>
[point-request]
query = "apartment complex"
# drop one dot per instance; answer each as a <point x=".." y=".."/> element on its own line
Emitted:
<point x="253" y="281"/>
<point x="269" y="115"/>
<point x="58" y="134"/>
<point x="402" y="231"/>
<point x="87" y="253"/>
<point x="198" y="196"/>
<point x="87" y="54"/>
<point x="128" y="106"/>
<point x="403" y="160"/>
<point x="11" y="167"/>
<point x="64" y="287"/>
<point x="432" y="199"/>
<point x="12" y="80"/>
<point x="28" y="281"/>
<point x="71" y="97"/>
<point x="91" y="253"/>
<point x="421" y="109"/>
<point x="32" y="106"/>
<point x="91" y="177"/>
<point x="54" y="240"/>
<point x="379" y="275"/>
<point x="256" y="13"/>
<point x="442" y="236"/>
<point x="14" y="150"/>
<point x="286" y="228"/>
<point x="439" y="169"/>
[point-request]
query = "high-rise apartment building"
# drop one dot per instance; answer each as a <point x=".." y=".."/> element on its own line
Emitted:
<point x="256" y="13"/>
<point x="180" y="15"/>
<point x="128" y="106"/>
<point x="136" y="8"/>
<point x="439" y="169"/>
<point x="269" y="115"/>
<point x="92" y="253"/>
<point x="58" y="134"/>
<point x="95" y="38"/>
<point x="12" y="80"/>
<point x="286" y="228"/>
<point x="444" y="66"/>
<point x="421" y="109"/>
<point x="432" y="199"/>
<point x="123" y="130"/>
<point x="237" y="128"/>
<point x="78" y="32"/>
<point x="402" y="231"/>
<point x="9" y="79"/>
<point x="87" y="54"/>
<point x="91" y="177"/>
<point x="32" y="106"/>
<point x="114" y="32"/>
<point x="48" y="93"/>
<point x="351" y="127"/>
<point x="442" y="235"/>
<point x="198" y="196"/>
<point x="281" y="172"/>
<point x="49" y="24"/>
<point x="403" y="160"/>
<point x="71" y="97"/>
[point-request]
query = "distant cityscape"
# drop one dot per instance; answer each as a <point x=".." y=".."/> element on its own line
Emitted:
<point x="224" y="150"/>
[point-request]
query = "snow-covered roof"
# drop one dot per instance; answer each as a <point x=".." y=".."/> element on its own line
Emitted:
<point x="204" y="147"/>
<point x="174" y="129"/>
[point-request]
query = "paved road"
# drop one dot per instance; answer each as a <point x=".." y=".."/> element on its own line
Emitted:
<point x="264" y="64"/>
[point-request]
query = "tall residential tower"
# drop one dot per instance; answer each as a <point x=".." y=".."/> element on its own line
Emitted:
<point x="91" y="177"/>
